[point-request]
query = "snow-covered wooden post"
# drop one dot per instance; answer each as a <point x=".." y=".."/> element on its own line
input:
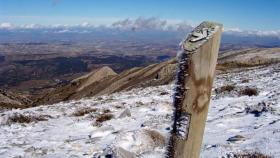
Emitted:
<point x="196" y="69"/>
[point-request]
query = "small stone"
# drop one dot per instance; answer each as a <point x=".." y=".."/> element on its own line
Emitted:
<point x="109" y="156"/>
<point x="236" y="138"/>
<point x="125" y="113"/>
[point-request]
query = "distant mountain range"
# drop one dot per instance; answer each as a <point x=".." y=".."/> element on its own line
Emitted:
<point x="148" y="29"/>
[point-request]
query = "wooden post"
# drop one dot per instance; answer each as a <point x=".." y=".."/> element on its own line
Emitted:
<point x="196" y="69"/>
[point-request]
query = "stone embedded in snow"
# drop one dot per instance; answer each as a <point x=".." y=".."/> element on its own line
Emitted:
<point x="125" y="113"/>
<point x="236" y="138"/>
<point x="102" y="132"/>
<point x="258" y="109"/>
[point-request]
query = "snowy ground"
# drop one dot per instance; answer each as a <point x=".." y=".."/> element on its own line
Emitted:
<point x="137" y="122"/>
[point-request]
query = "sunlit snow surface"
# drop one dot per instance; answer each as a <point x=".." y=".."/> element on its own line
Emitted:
<point x="65" y="135"/>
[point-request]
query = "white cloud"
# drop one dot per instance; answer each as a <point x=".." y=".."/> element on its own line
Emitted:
<point x="268" y="33"/>
<point x="152" y="23"/>
<point x="63" y="31"/>
<point x="58" y="26"/>
<point x="31" y="26"/>
<point x="85" y="24"/>
<point x="6" y="25"/>
<point x="233" y="30"/>
<point x="238" y="31"/>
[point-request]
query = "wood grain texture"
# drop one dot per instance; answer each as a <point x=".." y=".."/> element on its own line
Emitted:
<point x="201" y="71"/>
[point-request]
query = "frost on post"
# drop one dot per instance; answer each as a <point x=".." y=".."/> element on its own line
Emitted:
<point x="182" y="125"/>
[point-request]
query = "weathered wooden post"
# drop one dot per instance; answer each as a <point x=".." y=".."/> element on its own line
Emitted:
<point x="196" y="69"/>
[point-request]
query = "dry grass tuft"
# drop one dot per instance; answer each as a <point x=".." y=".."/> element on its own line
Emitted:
<point x="250" y="91"/>
<point x="227" y="88"/>
<point x="103" y="117"/>
<point x="248" y="155"/>
<point x="84" y="111"/>
<point x="26" y="118"/>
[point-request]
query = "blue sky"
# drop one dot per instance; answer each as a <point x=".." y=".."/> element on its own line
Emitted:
<point x="243" y="14"/>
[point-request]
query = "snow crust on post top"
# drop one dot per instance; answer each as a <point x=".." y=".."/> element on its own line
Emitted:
<point x="200" y="35"/>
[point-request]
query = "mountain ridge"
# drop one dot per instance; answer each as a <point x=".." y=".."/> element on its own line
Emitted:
<point x="104" y="80"/>
<point x="155" y="74"/>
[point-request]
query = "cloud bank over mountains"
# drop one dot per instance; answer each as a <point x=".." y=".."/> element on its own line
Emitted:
<point x="238" y="31"/>
<point x="138" y="24"/>
<point x="152" y="23"/>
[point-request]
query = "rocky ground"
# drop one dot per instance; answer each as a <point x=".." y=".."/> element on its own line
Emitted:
<point x="243" y="118"/>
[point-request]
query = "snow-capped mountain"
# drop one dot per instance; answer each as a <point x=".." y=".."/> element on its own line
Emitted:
<point x="243" y="118"/>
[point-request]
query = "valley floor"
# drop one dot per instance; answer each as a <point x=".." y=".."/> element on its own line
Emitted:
<point x="138" y="122"/>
